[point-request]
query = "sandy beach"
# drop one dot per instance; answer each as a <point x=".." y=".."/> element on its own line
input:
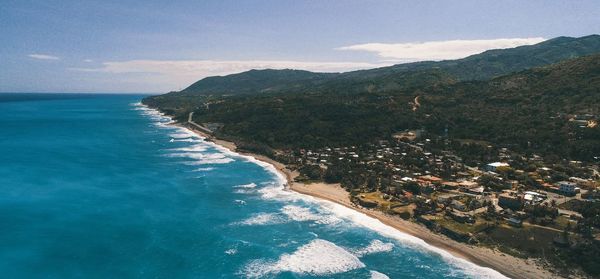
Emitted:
<point x="508" y="265"/>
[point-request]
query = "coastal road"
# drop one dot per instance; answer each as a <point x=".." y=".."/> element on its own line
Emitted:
<point x="416" y="104"/>
<point x="198" y="126"/>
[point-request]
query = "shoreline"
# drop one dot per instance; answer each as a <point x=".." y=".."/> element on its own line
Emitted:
<point x="507" y="265"/>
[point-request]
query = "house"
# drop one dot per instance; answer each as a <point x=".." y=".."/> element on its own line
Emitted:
<point x="476" y="190"/>
<point x="443" y="199"/>
<point x="514" y="222"/>
<point x="430" y="178"/>
<point x="494" y="166"/>
<point x="567" y="187"/>
<point x="461" y="217"/>
<point x="510" y="200"/>
<point x="450" y="185"/>
<point x="458" y="205"/>
<point x="533" y="197"/>
<point x="468" y="184"/>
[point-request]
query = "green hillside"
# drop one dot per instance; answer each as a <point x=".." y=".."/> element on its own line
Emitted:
<point x="535" y="110"/>
<point x="529" y="110"/>
<point x="481" y="66"/>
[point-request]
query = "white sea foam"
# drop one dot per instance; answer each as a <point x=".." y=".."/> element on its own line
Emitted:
<point x="246" y="186"/>
<point x="368" y="222"/>
<point x="180" y="135"/>
<point x="196" y="156"/>
<point x="244" y="191"/>
<point x="300" y="214"/>
<point x="202" y="158"/>
<point x="261" y="219"/>
<point x="318" y="257"/>
<point x="193" y="148"/>
<point x="280" y="178"/>
<point x="152" y="114"/>
<point x="376" y="246"/>
<point x="240" y="202"/>
<point x="204" y="169"/>
<point x="232" y="251"/>
<point x="249" y="188"/>
<point x="209" y="161"/>
<point x="184" y="133"/>
<point x="277" y="192"/>
<point x="378" y="275"/>
<point x="186" y="140"/>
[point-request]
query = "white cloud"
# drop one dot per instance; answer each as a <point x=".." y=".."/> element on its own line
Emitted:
<point x="43" y="56"/>
<point x="438" y="50"/>
<point x="203" y="68"/>
<point x="174" y="74"/>
<point x="88" y="60"/>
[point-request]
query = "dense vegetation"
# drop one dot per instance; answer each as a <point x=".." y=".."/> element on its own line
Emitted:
<point x="529" y="110"/>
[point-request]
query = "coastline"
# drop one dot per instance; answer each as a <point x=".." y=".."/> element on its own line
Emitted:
<point x="507" y="265"/>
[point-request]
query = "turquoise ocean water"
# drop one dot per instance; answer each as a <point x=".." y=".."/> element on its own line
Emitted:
<point x="97" y="186"/>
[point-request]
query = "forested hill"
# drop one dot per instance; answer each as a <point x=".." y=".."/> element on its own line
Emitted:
<point x="533" y="110"/>
<point x="481" y="66"/>
<point x="552" y="109"/>
<point x="255" y="81"/>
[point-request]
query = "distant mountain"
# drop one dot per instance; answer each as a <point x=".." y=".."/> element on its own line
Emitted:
<point x="481" y="66"/>
<point x="499" y="62"/>
<point x="255" y="81"/>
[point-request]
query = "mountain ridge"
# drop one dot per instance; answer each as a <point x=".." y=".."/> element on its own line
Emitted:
<point x="485" y="65"/>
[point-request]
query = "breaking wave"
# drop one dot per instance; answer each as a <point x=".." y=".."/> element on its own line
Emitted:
<point x="378" y="275"/>
<point x="299" y="214"/>
<point x="204" y="169"/>
<point x="318" y="257"/>
<point x="261" y="219"/>
<point x="246" y="186"/>
<point x="193" y="148"/>
<point x="202" y="158"/>
<point x="376" y="246"/>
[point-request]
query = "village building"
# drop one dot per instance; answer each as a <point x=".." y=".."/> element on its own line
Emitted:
<point x="567" y="187"/>
<point x="510" y="200"/>
<point x="494" y="166"/>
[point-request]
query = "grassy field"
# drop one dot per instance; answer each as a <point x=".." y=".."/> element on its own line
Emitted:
<point x="528" y="241"/>
<point x="463" y="228"/>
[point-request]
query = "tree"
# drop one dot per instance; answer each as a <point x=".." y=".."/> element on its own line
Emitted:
<point x="372" y="183"/>
<point x="333" y="174"/>
<point x="313" y="172"/>
<point x="413" y="187"/>
<point x="491" y="209"/>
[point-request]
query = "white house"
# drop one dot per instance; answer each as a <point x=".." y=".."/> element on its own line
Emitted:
<point x="567" y="187"/>
<point x="495" y="165"/>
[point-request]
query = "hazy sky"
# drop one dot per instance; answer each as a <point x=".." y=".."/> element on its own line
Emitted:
<point x="158" y="46"/>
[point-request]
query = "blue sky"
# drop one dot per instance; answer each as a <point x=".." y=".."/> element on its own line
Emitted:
<point x="158" y="46"/>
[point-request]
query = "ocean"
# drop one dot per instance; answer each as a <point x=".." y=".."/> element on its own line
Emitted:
<point x="98" y="186"/>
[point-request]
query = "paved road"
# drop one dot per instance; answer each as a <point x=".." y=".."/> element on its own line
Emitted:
<point x="198" y="126"/>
